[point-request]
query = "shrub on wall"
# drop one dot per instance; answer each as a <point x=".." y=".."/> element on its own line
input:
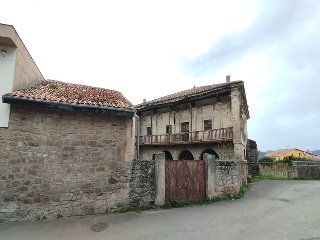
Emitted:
<point x="267" y="159"/>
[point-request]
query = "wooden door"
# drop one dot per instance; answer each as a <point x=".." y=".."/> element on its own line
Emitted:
<point x="185" y="180"/>
<point x="185" y="131"/>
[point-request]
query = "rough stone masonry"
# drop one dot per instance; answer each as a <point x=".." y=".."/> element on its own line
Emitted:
<point x="56" y="163"/>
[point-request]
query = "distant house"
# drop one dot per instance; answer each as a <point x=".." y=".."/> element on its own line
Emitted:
<point x="280" y="154"/>
<point x="185" y="125"/>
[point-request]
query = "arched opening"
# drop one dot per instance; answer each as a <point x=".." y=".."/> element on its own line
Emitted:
<point x="186" y="155"/>
<point x="168" y="155"/>
<point x="210" y="151"/>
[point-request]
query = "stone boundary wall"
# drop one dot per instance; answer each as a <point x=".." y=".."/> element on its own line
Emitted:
<point x="57" y="163"/>
<point x="252" y="155"/>
<point x="305" y="170"/>
<point x="244" y="173"/>
<point x="143" y="183"/>
<point x="228" y="177"/>
<point x="308" y="170"/>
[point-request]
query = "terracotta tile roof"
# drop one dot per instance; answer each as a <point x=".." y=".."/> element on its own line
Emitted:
<point x="192" y="92"/>
<point x="73" y="93"/>
<point x="279" y="152"/>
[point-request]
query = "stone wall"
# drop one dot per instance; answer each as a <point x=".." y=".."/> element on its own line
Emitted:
<point x="56" y="163"/>
<point x="143" y="183"/>
<point x="305" y="170"/>
<point x="252" y="155"/>
<point x="244" y="172"/>
<point x="228" y="177"/>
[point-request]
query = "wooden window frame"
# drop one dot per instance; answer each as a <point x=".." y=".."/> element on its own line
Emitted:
<point x="205" y="124"/>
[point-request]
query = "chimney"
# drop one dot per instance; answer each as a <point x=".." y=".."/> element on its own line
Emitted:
<point x="228" y="78"/>
<point x="144" y="101"/>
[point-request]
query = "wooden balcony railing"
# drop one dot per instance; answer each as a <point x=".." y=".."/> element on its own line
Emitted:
<point x="212" y="135"/>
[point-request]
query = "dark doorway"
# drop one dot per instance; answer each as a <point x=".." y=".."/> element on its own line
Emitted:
<point x="210" y="151"/>
<point x="186" y="155"/>
<point x="168" y="155"/>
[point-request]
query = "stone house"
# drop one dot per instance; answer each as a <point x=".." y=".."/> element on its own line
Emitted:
<point x="185" y="125"/>
<point x="69" y="149"/>
<point x="66" y="149"/>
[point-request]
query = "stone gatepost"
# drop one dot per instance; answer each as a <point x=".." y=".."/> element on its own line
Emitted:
<point x="160" y="164"/>
<point x="210" y="163"/>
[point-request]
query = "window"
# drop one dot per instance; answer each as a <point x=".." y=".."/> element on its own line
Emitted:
<point x="168" y="129"/>
<point x="149" y="131"/>
<point x="185" y="131"/>
<point x="207" y="124"/>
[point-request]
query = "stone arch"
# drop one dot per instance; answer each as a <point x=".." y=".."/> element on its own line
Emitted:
<point x="210" y="151"/>
<point x="168" y="155"/>
<point x="185" y="155"/>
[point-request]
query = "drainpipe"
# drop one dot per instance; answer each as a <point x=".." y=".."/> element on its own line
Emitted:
<point x="137" y="133"/>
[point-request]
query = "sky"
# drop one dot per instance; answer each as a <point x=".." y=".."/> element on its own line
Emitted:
<point x="148" y="49"/>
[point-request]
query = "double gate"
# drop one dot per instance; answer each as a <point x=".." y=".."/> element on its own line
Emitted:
<point x="185" y="180"/>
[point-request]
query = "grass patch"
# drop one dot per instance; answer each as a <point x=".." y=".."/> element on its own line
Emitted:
<point x="174" y="203"/>
<point x="38" y="218"/>
<point x="178" y="204"/>
<point x="53" y="86"/>
<point x="80" y="95"/>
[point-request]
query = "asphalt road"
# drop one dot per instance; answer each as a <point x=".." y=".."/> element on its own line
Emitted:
<point x="269" y="210"/>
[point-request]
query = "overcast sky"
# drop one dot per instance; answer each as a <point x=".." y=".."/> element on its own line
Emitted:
<point x="148" y="49"/>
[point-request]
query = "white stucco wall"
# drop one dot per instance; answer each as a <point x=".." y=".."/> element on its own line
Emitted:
<point x="7" y="68"/>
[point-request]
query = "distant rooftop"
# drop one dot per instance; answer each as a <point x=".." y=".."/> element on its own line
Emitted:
<point x="280" y="152"/>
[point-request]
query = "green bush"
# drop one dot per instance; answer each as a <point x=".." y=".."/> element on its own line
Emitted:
<point x="267" y="159"/>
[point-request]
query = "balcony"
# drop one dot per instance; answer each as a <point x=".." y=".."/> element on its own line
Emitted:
<point x="213" y="135"/>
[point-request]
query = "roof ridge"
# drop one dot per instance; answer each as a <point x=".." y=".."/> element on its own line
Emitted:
<point x="189" y="92"/>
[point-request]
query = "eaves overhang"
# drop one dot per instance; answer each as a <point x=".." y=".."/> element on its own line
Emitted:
<point x="68" y="106"/>
<point x="184" y="99"/>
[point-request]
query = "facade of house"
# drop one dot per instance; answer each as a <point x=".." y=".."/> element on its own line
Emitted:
<point x="66" y="149"/>
<point x="280" y="154"/>
<point x="185" y="125"/>
<point x="65" y="152"/>
<point x="69" y="149"/>
<point x="17" y="68"/>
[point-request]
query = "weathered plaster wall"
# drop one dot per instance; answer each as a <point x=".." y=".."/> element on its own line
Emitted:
<point x="224" y="150"/>
<point x="239" y="123"/>
<point x="26" y="73"/>
<point x="58" y="163"/>
<point x="218" y="112"/>
<point x="7" y="65"/>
